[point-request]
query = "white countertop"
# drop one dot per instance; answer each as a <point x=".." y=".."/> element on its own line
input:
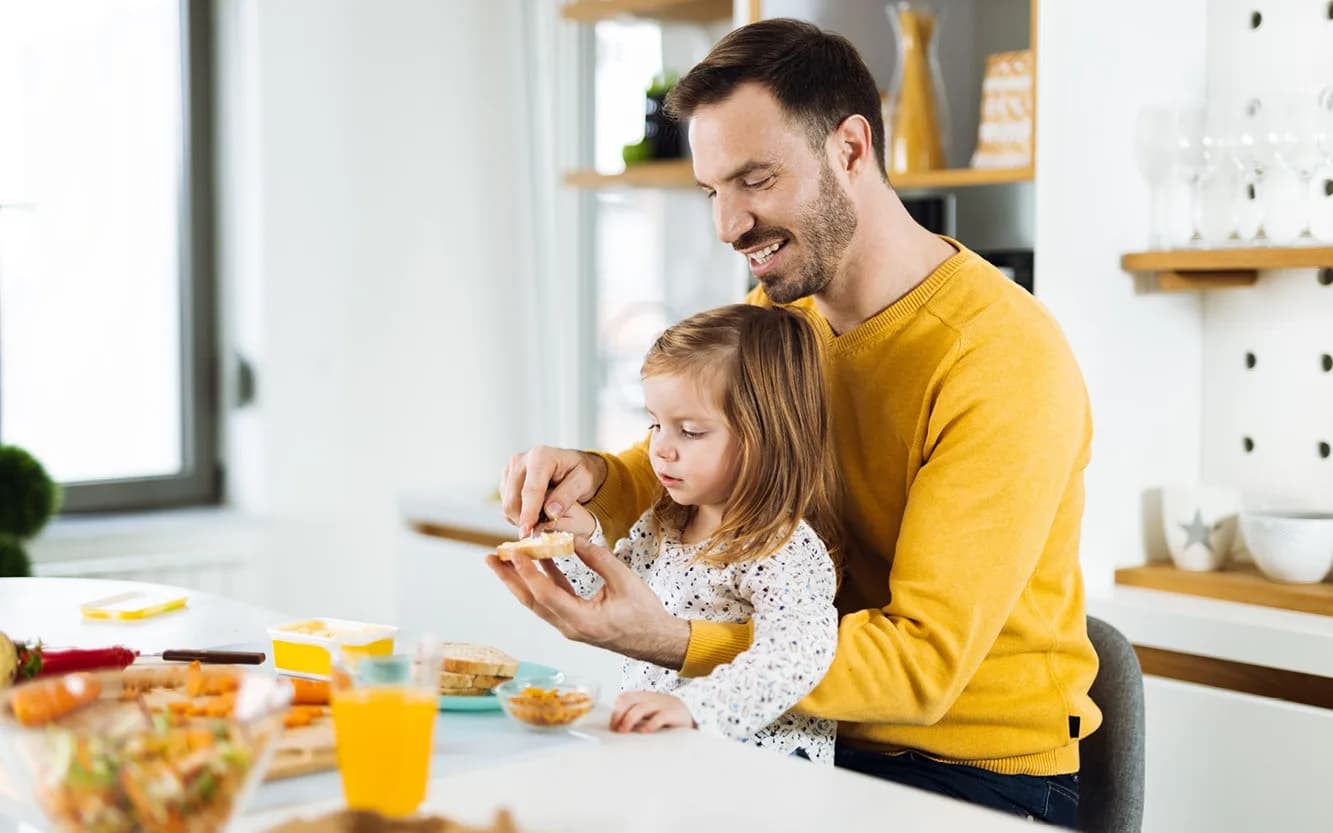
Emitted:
<point x="589" y="781"/>
<point x="679" y="781"/>
<point x="49" y="609"/>
<point x="1233" y="631"/>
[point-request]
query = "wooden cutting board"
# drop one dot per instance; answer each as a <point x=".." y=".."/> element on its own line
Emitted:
<point x="303" y="750"/>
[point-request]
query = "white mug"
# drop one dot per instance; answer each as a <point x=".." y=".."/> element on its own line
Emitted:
<point x="1200" y="525"/>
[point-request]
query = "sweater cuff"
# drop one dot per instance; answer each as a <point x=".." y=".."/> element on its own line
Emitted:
<point x="713" y="644"/>
<point x="607" y="504"/>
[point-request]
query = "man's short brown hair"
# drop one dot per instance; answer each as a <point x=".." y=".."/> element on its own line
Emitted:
<point x="818" y="77"/>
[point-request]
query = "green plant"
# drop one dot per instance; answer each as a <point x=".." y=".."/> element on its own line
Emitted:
<point x="13" y="558"/>
<point x="28" y="499"/>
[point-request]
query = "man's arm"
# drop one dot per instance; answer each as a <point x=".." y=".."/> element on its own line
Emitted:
<point x="629" y="490"/>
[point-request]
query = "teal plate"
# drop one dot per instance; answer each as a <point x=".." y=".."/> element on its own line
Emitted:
<point x="487" y="702"/>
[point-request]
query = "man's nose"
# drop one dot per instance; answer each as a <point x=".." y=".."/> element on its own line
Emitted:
<point x="731" y="218"/>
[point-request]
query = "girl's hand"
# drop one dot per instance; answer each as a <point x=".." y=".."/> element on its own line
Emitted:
<point x="576" y="519"/>
<point x="649" y="711"/>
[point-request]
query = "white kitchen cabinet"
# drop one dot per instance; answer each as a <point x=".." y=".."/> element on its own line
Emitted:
<point x="1224" y="762"/>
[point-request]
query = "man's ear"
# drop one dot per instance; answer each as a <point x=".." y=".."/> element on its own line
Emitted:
<point x="853" y="149"/>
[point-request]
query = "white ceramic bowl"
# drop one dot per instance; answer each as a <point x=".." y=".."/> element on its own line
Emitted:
<point x="1294" y="547"/>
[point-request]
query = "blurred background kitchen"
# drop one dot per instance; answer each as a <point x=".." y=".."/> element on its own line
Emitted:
<point x="283" y="283"/>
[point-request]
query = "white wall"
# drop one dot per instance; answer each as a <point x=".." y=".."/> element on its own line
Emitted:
<point x="374" y="244"/>
<point x="1140" y="353"/>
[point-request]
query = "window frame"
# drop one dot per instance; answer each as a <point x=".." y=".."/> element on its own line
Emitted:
<point x="200" y="478"/>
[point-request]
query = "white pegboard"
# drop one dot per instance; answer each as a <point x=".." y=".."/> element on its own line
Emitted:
<point x="1283" y="404"/>
<point x="1263" y="425"/>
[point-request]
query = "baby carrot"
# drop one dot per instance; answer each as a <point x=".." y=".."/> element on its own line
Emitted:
<point x="309" y="692"/>
<point x="42" y="701"/>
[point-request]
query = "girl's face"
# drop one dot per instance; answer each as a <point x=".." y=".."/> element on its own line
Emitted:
<point x="694" y="453"/>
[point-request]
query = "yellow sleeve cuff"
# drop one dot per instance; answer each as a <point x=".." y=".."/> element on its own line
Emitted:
<point x="610" y="505"/>
<point x="713" y="644"/>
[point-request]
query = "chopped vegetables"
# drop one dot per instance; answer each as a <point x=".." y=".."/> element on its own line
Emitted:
<point x="156" y="779"/>
<point x="156" y="761"/>
<point x="42" y="701"/>
<point x="310" y="692"/>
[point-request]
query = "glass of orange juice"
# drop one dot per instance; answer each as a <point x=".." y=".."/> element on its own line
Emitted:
<point x="384" y="719"/>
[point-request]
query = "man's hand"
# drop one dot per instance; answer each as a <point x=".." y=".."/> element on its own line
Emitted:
<point x="548" y="478"/>
<point x="649" y="711"/>
<point x="625" y="616"/>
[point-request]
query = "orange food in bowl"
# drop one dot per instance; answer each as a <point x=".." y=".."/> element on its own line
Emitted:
<point x="546" y="703"/>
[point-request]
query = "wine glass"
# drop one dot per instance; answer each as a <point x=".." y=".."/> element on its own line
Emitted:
<point x="1154" y="151"/>
<point x="1253" y="144"/>
<point x="1295" y="145"/>
<point x="1196" y="163"/>
<point x="1323" y="141"/>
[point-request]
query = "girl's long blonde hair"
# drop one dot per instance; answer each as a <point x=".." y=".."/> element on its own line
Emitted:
<point x="767" y="364"/>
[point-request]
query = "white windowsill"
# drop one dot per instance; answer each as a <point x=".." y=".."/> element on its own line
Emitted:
<point x="187" y="532"/>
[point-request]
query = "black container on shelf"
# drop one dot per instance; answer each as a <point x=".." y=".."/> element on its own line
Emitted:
<point x="663" y="134"/>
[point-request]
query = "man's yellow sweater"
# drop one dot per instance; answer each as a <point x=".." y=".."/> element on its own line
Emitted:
<point x="962" y="429"/>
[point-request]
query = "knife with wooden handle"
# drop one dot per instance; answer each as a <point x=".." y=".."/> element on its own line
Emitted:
<point x="210" y="657"/>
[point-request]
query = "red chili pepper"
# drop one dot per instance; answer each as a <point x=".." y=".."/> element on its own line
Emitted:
<point x="43" y="662"/>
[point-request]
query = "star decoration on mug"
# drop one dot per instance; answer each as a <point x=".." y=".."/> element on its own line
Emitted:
<point x="1198" y="532"/>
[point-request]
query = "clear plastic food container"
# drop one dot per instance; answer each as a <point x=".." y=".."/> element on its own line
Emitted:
<point x="307" y="648"/>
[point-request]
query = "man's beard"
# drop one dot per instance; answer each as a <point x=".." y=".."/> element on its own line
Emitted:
<point x="826" y="229"/>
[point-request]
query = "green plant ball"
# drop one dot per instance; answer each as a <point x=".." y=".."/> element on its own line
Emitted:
<point x="13" y="559"/>
<point x="28" y="495"/>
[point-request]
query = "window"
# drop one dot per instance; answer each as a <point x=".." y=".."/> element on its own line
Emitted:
<point x="655" y="258"/>
<point x="106" y="282"/>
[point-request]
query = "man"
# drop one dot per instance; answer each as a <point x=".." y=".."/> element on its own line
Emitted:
<point x="962" y="428"/>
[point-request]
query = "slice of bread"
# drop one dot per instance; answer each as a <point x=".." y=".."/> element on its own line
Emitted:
<point x="483" y="681"/>
<point x="466" y="658"/>
<point x="546" y="545"/>
<point x="451" y="679"/>
<point x="451" y="682"/>
<point x="464" y="692"/>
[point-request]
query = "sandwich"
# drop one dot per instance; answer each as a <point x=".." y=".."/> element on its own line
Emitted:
<point x="468" y="670"/>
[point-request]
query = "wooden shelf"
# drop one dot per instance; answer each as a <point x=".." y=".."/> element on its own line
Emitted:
<point x="679" y="174"/>
<point x="676" y="173"/>
<point x="1242" y="583"/>
<point x="959" y="178"/>
<point x="1195" y="269"/>
<point x="692" y="11"/>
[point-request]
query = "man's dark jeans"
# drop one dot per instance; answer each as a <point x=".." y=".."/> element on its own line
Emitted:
<point x="1052" y="799"/>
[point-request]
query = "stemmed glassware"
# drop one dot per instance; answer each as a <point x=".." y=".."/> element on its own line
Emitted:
<point x="1295" y="144"/>
<point x="1237" y="167"/>
<point x="1154" y="152"/>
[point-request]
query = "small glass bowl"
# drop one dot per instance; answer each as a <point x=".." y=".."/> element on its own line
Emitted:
<point x="548" y="704"/>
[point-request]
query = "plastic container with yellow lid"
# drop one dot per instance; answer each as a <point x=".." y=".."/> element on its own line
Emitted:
<point x="136" y="604"/>
<point x="307" y="648"/>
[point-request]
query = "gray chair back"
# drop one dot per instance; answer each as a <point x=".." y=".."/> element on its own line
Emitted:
<point x="1111" y="759"/>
